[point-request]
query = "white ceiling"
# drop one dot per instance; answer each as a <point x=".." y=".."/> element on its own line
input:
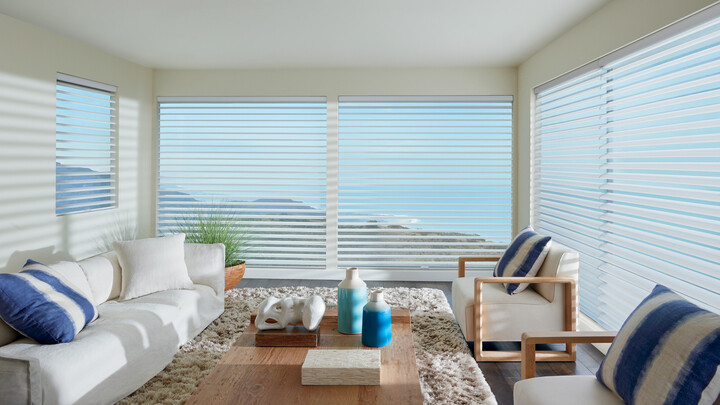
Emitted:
<point x="309" y="33"/>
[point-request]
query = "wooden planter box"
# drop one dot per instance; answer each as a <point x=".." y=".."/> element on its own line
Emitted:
<point x="233" y="275"/>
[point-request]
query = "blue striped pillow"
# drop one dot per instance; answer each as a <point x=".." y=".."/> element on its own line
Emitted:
<point x="522" y="258"/>
<point x="667" y="352"/>
<point x="39" y="303"/>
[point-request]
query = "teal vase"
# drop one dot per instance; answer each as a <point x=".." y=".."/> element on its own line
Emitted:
<point x="352" y="297"/>
<point x="377" y="322"/>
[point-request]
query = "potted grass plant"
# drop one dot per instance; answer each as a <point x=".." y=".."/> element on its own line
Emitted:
<point x="218" y="225"/>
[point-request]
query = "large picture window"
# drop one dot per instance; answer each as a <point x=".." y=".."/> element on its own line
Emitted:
<point x="423" y="180"/>
<point x="85" y="145"/>
<point x="626" y="169"/>
<point x="404" y="182"/>
<point x="260" y="159"/>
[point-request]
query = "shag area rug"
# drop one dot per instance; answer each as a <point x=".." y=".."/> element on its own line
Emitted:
<point x="448" y="372"/>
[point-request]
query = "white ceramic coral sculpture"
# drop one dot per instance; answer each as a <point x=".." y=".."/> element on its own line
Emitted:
<point x="277" y="313"/>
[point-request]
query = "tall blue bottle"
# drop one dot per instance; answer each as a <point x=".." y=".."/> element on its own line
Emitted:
<point x="377" y="322"/>
<point x="352" y="296"/>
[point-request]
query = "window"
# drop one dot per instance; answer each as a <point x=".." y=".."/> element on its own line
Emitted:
<point x="423" y="180"/>
<point x="626" y="169"/>
<point x="86" y="165"/>
<point x="263" y="158"/>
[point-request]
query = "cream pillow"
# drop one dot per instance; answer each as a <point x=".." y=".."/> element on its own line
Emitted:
<point x="152" y="265"/>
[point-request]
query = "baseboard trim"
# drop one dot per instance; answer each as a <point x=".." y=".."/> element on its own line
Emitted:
<point x="585" y="323"/>
<point x="374" y="275"/>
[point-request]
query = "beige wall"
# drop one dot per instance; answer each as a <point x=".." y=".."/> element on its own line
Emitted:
<point x="30" y="58"/>
<point x="336" y="82"/>
<point x="614" y="25"/>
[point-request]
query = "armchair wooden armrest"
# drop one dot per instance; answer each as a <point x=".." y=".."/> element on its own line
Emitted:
<point x="570" y="317"/>
<point x="530" y="339"/>
<point x="463" y="260"/>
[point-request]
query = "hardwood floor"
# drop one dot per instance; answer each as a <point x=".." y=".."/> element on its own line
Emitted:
<point x="500" y="376"/>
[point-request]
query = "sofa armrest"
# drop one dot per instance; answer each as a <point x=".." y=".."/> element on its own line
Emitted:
<point x="463" y="260"/>
<point x="206" y="265"/>
<point x="530" y="339"/>
<point x="20" y="381"/>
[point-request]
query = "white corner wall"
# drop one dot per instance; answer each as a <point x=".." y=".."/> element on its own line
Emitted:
<point x="30" y="58"/>
<point x="612" y="26"/>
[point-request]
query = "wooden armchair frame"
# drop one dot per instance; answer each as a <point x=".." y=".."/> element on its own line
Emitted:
<point x="531" y="339"/>
<point x="569" y="354"/>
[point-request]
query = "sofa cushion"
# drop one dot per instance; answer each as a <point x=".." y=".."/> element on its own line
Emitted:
<point x="151" y="265"/>
<point x="204" y="261"/>
<point x="43" y="305"/>
<point x="563" y="390"/>
<point x="522" y="258"/>
<point x="129" y="343"/>
<point x="7" y="334"/>
<point x="104" y="276"/>
<point x="74" y="274"/>
<point x="666" y="352"/>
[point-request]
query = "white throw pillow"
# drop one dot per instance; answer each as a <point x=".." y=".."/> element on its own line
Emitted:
<point x="152" y="265"/>
<point x="104" y="276"/>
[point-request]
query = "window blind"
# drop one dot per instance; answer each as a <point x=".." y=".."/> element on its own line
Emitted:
<point x="626" y="170"/>
<point x="423" y="180"/>
<point x="86" y="165"/>
<point x="260" y="158"/>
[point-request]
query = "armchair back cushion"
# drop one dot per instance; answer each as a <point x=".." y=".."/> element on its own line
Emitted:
<point x="667" y="352"/>
<point x="560" y="261"/>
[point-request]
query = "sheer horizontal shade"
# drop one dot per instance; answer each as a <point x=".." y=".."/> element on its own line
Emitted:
<point x="626" y="170"/>
<point x="261" y="158"/>
<point x="423" y="180"/>
<point x="85" y="146"/>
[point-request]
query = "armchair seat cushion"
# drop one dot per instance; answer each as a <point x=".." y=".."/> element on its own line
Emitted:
<point x="563" y="390"/>
<point x="505" y="316"/>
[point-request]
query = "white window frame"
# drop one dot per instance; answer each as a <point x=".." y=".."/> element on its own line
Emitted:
<point x="331" y="270"/>
<point x="82" y="140"/>
<point x="273" y="252"/>
<point x="374" y="131"/>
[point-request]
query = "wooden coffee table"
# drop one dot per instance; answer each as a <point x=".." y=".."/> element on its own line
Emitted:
<point x="271" y="375"/>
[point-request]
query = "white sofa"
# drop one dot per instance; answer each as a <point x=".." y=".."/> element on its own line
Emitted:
<point x="126" y="346"/>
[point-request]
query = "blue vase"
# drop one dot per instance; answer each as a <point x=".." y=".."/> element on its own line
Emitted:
<point x="377" y="322"/>
<point x="352" y="296"/>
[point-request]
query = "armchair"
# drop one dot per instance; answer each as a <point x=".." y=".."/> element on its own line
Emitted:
<point x="486" y="312"/>
<point x="560" y="390"/>
<point x="666" y="352"/>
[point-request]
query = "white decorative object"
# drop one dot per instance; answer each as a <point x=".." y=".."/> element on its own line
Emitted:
<point x="341" y="367"/>
<point x="277" y="313"/>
